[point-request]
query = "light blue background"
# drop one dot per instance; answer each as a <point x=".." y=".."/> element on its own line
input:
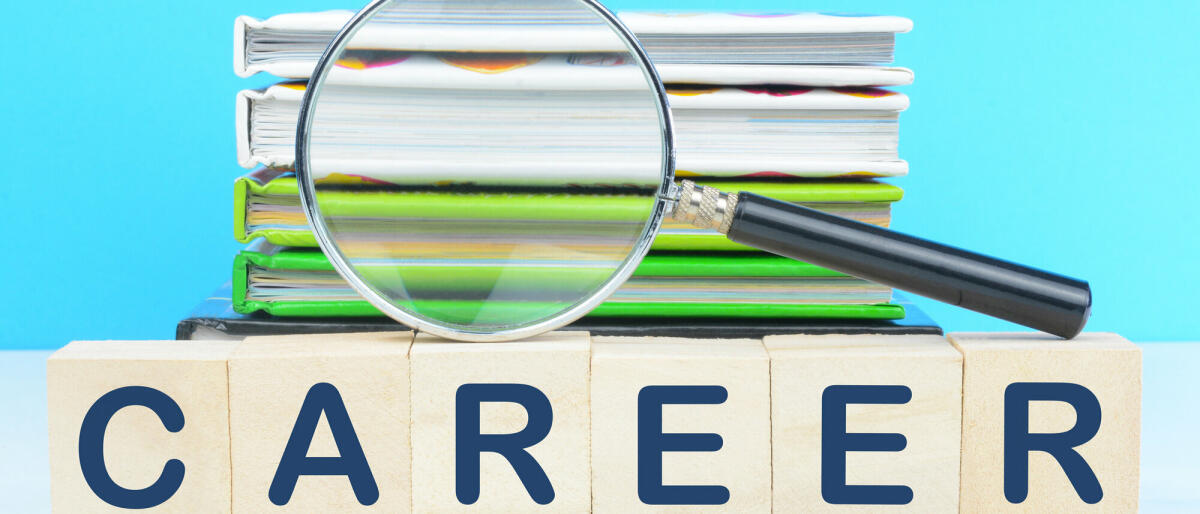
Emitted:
<point x="1060" y="134"/>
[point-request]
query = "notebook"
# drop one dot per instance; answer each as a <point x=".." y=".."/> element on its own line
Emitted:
<point x="301" y="282"/>
<point x="266" y="204"/>
<point x="215" y="319"/>
<point x="795" y="49"/>
<point x="719" y="131"/>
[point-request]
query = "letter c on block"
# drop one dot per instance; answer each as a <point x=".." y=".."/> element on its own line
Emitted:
<point x="91" y="447"/>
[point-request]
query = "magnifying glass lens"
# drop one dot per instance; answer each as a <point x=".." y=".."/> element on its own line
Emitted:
<point x="476" y="168"/>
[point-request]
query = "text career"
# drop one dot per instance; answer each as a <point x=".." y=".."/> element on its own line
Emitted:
<point x="323" y="401"/>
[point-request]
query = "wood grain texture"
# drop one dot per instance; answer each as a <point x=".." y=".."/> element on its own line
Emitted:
<point x="269" y="378"/>
<point x="802" y="367"/>
<point x="136" y="444"/>
<point x="557" y="364"/>
<point x="1106" y="364"/>
<point x="623" y="366"/>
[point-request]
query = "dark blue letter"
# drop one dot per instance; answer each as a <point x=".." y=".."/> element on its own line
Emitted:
<point x="469" y="442"/>
<point x="835" y="442"/>
<point x="295" y="461"/>
<point x="1018" y="442"/>
<point x="652" y="442"/>
<point x="91" y="447"/>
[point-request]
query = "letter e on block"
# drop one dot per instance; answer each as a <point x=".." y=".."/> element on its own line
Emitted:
<point x="680" y="425"/>
<point x="865" y="423"/>
<point x="319" y="423"/>
<point x="1050" y="425"/>
<point x="501" y="427"/>
<point x="139" y="425"/>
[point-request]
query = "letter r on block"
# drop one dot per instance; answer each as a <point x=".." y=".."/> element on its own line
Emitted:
<point x="1018" y="442"/>
<point x="469" y="442"/>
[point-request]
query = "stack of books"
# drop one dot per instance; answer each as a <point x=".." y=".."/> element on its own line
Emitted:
<point x="788" y="106"/>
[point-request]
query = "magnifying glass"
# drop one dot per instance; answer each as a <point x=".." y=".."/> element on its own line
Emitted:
<point x="494" y="199"/>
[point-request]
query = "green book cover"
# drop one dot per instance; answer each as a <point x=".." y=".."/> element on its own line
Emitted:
<point x="301" y="282"/>
<point x="267" y="205"/>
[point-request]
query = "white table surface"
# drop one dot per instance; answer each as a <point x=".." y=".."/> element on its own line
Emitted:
<point x="1170" y="421"/>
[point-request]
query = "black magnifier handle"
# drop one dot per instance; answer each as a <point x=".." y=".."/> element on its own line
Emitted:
<point x="1031" y="297"/>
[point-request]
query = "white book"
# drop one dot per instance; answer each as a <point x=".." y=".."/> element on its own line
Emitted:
<point x="712" y="48"/>
<point x="720" y="131"/>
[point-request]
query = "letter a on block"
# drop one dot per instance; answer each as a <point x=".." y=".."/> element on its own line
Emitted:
<point x="680" y="425"/>
<point x="139" y="425"/>
<point x="323" y="399"/>
<point x="1050" y="425"/>
<point x="865" y="423"/>
<point x="320" y="423"/>
<point x="501" y="427"/>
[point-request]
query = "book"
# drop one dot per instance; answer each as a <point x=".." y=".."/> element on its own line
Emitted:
<point x="266" y="204"/>
<point x="215" y="319"/>
<point x="719" y="131"/>
<point x="792" y="49"/>
<point x="302" y="282"/>
<point x="817" y="119"/>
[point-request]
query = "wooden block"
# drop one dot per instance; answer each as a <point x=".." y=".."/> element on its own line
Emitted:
<point x="876" y="384"/>
<point x="303" y="395"/>
<point x="731" y="379"/>
<point x="161" y="409"/>
<point x="1059" y="385"/>
<point x="536" y="388"/>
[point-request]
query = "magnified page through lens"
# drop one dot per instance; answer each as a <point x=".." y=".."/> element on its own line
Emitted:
<point x="502" y="158"/>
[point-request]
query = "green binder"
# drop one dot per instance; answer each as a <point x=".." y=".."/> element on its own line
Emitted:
<point x="301" y="282"/>
<point x="267" y="205"/>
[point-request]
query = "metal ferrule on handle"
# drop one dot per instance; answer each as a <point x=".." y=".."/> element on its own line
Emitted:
<point x="704" y="207"/>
